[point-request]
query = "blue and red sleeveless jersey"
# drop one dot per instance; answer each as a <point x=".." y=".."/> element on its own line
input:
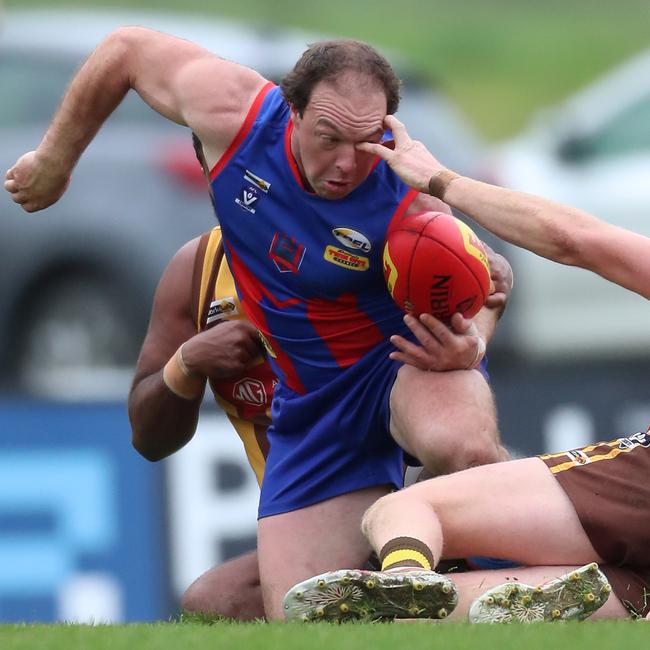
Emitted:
<point x="308" y="270"/>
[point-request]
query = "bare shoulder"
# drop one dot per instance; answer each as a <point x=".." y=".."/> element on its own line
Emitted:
<point x="427" y="203"/>
<point x="189" y="84"/>
<point x="219" y="94"/>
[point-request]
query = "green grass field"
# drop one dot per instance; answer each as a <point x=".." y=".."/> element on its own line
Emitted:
<point x="454" y="636"/>
<point x="499" y="60"/>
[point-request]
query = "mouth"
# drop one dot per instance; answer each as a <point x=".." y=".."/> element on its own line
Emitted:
<point x="338" y="186"/>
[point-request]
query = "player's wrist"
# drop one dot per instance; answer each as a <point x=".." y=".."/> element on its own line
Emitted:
<point x="481" y="347"/>
<point x="180" y="379"/>
<point x="440" y="181"/>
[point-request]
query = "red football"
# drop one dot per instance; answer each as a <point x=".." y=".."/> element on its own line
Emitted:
<point x="434" y="263"/>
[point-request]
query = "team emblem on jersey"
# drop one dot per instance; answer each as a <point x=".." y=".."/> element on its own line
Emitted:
<point x="252" y="189"/>
<point x="578" y="456"/>
<point x="287" y="254"/>
<point x="220" y="309"/>
<point x="345" y="259"/>
<point x="250" y="391"/>
<point x="641" y="438"/>
<point x="352" y="239"/>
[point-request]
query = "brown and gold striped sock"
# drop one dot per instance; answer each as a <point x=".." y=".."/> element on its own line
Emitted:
<point x="406" y="552"/>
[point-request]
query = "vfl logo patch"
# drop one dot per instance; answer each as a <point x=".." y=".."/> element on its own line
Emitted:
<point x="220" y="309"/>
<point x="352" y="239"/>
<point x="250" y="391"/>
<point x="347" y="260"/>
<point x="252" y="189"/>
<point x="287" y="254"/>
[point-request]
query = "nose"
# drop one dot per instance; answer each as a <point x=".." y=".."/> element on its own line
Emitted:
<point x="346" y="159"/>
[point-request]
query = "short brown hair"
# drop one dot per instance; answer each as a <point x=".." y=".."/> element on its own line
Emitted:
<point x="327" y="60"/>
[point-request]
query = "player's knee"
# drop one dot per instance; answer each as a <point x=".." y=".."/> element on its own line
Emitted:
<point x="198" y="599"/>
<point x="218" y="601"/>
<point x="460" y="453"/>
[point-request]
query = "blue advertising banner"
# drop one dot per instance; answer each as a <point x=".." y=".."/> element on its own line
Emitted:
<point x="81" y="535"/>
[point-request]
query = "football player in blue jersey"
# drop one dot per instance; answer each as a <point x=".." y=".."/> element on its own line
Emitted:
<point x="290" y="182"/>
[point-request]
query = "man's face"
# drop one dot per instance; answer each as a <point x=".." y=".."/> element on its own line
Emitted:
<point x="339" y="115"/>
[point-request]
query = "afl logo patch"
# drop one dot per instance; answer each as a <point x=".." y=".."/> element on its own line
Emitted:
<point x="352" y="239"/>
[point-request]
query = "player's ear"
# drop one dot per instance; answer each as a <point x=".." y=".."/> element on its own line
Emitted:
<point x="295" y="114"/>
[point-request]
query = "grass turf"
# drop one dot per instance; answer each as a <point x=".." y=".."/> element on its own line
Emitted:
<point x="254" y="636"/>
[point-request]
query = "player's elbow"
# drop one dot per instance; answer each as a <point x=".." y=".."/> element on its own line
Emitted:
<point x="142" y="444"/>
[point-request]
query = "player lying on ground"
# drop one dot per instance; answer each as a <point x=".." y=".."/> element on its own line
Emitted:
<point x="553" y="512"/>
<point x="287" y="176"/>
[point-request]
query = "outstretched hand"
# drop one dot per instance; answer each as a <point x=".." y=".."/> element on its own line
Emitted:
<point x="35" y="184"/>
<point x="458" y="347"/>
<point x="408" y="158"/>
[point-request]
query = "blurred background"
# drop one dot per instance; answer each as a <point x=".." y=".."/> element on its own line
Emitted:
<point x="551" y="97"/>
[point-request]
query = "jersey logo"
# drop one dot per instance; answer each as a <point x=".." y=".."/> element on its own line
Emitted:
<point x="347" y="260"/>
<point x="220" y="309"/>
<point x="252" y="189"/>
<point x="352" y="239"/>
<point x="250" y="391"/>
<point x="578" y="457"/>
<point x="287" y="254"/>
<point x="641" y="438"/>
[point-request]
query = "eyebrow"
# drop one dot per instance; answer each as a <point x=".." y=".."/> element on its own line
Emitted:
<point x="324" y="121"/>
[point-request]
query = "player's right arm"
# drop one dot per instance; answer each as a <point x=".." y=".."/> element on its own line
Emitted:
<point x="177" y="78"/>
<point x="163" y="406"/>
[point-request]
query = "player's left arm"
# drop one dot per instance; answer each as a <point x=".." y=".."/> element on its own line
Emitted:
<point x="462" y="344"/>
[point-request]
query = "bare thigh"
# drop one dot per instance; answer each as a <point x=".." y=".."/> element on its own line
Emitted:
<point x="514" y="510"/>
<point x="446" y="419"/>
<point x="324" y="537"/>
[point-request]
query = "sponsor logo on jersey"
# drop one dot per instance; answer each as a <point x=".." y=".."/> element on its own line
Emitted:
<point x="252" y="189"/>
<point x="578" y="456"/>
<point x="637" y="439"/>
<point x="352" y="239"/>
<point x="250" y="391"/>
<point x="287" y="254"/>
<point x="220" y="309"/>
<point x="390" y="271"/>
<point x="267" y="345"/>
<point x="345" y="259"/>
<point x="473" y="244"/>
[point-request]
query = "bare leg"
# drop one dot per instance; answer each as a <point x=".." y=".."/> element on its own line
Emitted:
<point x="514" y="510"/>
<point x="324" y="537"/>
<point x="231" y="590"/>
<point x="446" y="419"/>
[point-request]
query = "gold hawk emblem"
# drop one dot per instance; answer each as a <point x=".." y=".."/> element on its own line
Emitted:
<point x="267" y="345"/>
